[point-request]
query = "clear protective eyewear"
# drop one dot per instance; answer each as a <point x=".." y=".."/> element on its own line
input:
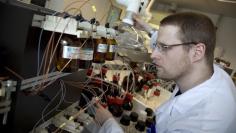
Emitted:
<point x="161" y="47"/>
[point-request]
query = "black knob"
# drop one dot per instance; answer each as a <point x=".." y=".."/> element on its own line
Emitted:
<point x="107" y="25"/>
<point x="97" y="23"/>
<point x="79" y="18"/>
<point x="140" y="126"/>
<point x="133" y="116"/>
<point x="149" y="111"/>
<point x="66" y="15"/>
<point x="125" y="120"/>
<point x="128" y="106"/>
<point x="93" y="21"/>
<point x="115" y="110"/>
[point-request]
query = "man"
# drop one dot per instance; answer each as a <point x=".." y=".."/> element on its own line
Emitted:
<point x="184" y="53"/>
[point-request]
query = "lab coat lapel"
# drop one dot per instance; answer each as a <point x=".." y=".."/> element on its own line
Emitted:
<point x="165" y="109"/>
<point x="163" y="114"/>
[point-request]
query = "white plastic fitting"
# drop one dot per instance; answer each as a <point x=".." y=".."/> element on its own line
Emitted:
<point x="132" y="6"/>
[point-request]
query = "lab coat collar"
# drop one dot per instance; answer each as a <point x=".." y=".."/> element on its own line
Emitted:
<point x="188" y="99"/>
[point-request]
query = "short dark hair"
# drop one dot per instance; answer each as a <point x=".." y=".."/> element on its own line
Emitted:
<point x="194" y="27"/>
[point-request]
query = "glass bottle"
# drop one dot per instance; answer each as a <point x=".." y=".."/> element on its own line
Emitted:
<point x="133" y="120"/>
<point x="68" y="56"/>
<point x="125" y="122"/>
<point x="111" y="50"/>
<point x="100" y="50"/>
<point x="89" y="71"/>
<point x="149" y="121"/>
<point x="149" y="124"/>
<point x="142" y="115"/>
<point x="140" y="126"/>
<point x="127" y="107"/>
<point x="116" y="78"/>
<point x="86" y="53"/>
<point x="126" y="86"/>
<point x="156" y="87"/>
<point x="145" y="92"/>
<point x="116" y="110"/>
<point x="149" y="112"/>
<point x="104" y="72"/>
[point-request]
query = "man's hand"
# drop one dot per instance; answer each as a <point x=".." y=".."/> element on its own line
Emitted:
<point x="140" y="24"/>
<point x="102" y="114"/>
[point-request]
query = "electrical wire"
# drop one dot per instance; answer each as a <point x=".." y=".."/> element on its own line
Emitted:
<point x="60" y="101"/>
<point x="14" y="73"/>
<point x="39" y="47"/>
<point x="45" y="108"/>
<point x="73" y="3"/>
<point x="137" y="37"/>
<point x="89" y="102"/>
<point x="53" y="53"/>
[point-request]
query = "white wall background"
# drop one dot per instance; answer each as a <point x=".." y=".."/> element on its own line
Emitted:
<point x="226" y="38"/>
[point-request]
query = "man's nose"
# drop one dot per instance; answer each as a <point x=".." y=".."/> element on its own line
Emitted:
<point x="155" y="54"/>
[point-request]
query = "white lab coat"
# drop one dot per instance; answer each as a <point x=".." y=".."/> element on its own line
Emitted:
<point x="207" y="108"/>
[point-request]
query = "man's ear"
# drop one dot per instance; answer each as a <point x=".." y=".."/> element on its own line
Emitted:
<point x="198" y="52"/>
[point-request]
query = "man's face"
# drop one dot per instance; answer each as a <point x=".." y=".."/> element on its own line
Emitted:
<point x="172" y="62"/>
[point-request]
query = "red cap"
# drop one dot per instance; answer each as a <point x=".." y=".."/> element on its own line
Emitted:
<point x="119" y="101"/>
<point x="89" y="72"/>
<point x="156" y="84"/>
<point x="110" y="100"/>
<point x="104" y="70"/>
<point x="129" y="97"/>
<point x="157" y="93"/>
<point x="104" y="105"/>
<point x="115" y="77"/>
<point x="145" y="87"/>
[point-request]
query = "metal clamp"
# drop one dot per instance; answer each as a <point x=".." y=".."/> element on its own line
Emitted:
<point x="6" y="88"/>
<point x="31" y="82"/>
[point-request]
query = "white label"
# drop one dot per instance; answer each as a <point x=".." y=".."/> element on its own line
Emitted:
<point x="102" y="48"/>
<point x="112" y="48"/>
<point x="86" y="55"/>
<point x="70" y="52"/>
